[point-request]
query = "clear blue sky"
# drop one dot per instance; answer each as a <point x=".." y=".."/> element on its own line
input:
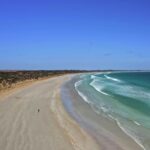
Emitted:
<point x="74" y="34"/>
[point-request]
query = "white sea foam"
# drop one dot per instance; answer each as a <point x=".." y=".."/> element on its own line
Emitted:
<point x="122" y="88"/>
<point x="80" y="93"/>
<point x="137" y="123"/>
<point x="100" y="110"/>
<point x="127" y="132"/>
<point x="132" y="92"/>
<point x="111" y="117"/>
<point x="103" y="92"/>
<point x="113" y="79"/>
<point x="93" y="76"/>
<point x="119" y="88"/>
<point x="104" y="109"/>
<point x="78" y="83"/>
<point x="128" y="90"/>
<point x="134" y="137"/>
<point x="98" y="88"/>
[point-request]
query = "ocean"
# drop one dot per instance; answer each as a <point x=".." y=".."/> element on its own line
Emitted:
<point x="123" y="97"/>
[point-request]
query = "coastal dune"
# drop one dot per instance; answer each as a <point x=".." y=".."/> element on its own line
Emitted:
<point x="33" y="118"/>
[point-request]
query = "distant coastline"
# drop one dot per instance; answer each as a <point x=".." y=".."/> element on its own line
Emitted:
<point x="9" y="79"/>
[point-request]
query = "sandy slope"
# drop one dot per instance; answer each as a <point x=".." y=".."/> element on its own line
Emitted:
<point x="22" y="127"/>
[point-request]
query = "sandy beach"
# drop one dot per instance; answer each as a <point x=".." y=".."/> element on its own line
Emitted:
<point x="33" y="118"/>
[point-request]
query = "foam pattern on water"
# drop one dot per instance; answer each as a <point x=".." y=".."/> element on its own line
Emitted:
<point x="123" y="97"/>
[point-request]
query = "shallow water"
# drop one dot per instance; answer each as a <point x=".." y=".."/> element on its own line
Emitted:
<point x="123" y="97"/>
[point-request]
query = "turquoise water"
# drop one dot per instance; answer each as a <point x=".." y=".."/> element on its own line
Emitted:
<point x="123" y="97"/>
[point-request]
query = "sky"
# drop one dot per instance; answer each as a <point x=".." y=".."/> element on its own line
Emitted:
<point x="74" y="34"/>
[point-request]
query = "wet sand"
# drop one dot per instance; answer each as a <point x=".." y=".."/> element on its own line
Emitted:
<point x="105" y="131"/>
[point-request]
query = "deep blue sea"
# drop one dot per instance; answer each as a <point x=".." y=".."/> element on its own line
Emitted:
<point x="123" y="97"/>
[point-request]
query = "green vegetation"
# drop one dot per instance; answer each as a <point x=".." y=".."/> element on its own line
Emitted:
<point x="10" y="78"/>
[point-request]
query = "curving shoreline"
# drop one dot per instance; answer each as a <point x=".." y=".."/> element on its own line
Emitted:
<point x="34" y="118"/>
<point x="105" y="131"/>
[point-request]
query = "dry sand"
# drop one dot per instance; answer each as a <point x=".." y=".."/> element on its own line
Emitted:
<point x="22" y="127"/>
